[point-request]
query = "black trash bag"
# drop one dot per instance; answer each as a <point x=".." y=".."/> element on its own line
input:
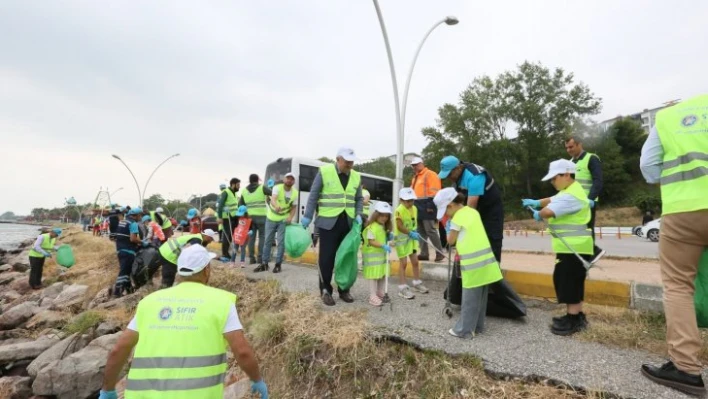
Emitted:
<point x="454" y="285"/>
<point x="144" y="266"/>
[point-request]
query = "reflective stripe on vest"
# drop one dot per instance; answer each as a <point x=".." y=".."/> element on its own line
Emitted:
<point x="230" y="204"/>
<point x="47" y="245"/>
<point x="334" y="199"/>
<point x="582" y="173"/>
<point x="683" y="132"/>
<point x="255" y="201"/>
<point x="477" y="263"/>
<point x="373" y="259"/>
<point x="181" y="353"/>
<point x="573" y="228"/>
<point x="173" y="247"/>
<point x="285" y="205"/>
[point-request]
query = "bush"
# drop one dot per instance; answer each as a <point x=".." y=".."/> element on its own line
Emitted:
<point x="83" y="322"/>
<point x="647" y="202"/>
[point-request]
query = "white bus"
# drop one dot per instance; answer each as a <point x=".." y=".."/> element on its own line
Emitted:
<point x="305" y="170"/>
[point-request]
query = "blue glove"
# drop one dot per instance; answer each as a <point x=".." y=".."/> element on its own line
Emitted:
<point x="47" y="254"/>
<point x="261" y="388"/>
<point x="305" y="221"/>
<point x="592" y="203"/>
<point x="270" y="183"/>
<point x="447" y="227"/>
<point x="537" y="216"/>
<point x="414" y="235"/>
<point x="108" y="395"/>
<point x="358" y="219"/>
<point x="386" y="248"/>
<point x="250" y="233"/>
<point x="531" y="202"/>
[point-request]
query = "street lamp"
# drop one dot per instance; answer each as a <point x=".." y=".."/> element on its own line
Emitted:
<point x="401" y="112"/>
<point x="140" y="195"/>
<point x="153" y="172"/>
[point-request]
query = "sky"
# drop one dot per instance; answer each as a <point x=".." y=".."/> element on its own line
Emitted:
<point x="233" y="85"/>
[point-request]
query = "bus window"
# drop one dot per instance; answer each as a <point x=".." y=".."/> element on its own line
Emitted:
<point x="307" y="177"/>
<point x="277" y="170"/>
<point x="381" y="190"/>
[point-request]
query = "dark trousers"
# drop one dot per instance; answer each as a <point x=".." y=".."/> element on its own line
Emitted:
<point x="36" y="268"/>
<point x="496" y="245"/>
<point x="125" y="260"/>
<point x="258" y="228"/>
<point x="169" y="271"/>
<point x="591" y="225"/>
<point x="227" y="235"/>
<point x="329" y="243"/>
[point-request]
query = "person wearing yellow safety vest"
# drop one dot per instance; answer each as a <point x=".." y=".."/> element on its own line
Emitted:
<point x="588" y="172"/>
<point x="180" y="336"/>
<point x="281" y="211"/>
<point x="226" y="210"/>
<point x="675" y="155"/>
<point x="336" y="195"/>
<point x="254" y="197"/>
<point x="407" y="238"/>
<point x="169" y="252"/>
<point x="37" y="255"/>
<point x="568" y="213"/>
<point x="367" y="201"/>
<point x="377" y="237"/>
<point x="222" y="187"/>
<point x="158" y="216"/>
<point x="478" y="266"/>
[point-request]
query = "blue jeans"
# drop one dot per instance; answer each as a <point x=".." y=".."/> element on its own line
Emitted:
<point x="271" y="228"/>
<point x="242" y="248"/>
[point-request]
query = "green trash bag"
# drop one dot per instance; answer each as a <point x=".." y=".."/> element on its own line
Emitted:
<point x="347" y="258"/>
<point x="700" y="298"/>
<point x="297" y="240"/>
<point x="65" y="257"/>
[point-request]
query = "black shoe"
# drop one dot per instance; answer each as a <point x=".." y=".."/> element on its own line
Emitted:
<point x="421" y="257"/>
<point x="439" y="258"/>
<point x="252" y="262"/>
<point x="570" y="325"/>
<point x="346" y="297"/>
<point x="557" y="320"/>
<point x="327" y="299"/>
<point x="670" y="376"/>
<point x="276" y="269"/>
<point x="262" y="268"/>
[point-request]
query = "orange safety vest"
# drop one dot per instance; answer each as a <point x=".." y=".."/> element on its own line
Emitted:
<point x="157" y="231"/>
<point x="426" y="184"/>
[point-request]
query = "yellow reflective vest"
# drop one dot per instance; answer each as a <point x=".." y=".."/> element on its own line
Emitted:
<point x="230" y="205"/>
<point x="404" y="244"/>
<point x="255" y="201"/>
<point x="335" y="199"/>
<point x="477" y="263"/>
<point x="583" y="175"/>
<point x="173" y="247"/>
<point x="573" y="227"/>
<point x="284" y="204"/>
<point x="47" y="245"/>
<point x="373" y="259"/>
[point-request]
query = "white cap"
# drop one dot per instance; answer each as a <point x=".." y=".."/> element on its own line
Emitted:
<point x="159" y="209"/>
<point x="442" y="199"/>
<point x="289" y="174"/>
<point x="559" y="167"/>
<point x="407" y="194"/>
<point x="193" y="259"/>
<point x="382" y="207"/>
<point x="211" y="233"/>
<point x="416" y="160"/>
<point x="347" y="153"/>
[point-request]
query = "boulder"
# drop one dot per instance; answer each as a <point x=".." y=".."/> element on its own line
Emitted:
<point x="21" y="285"/>
<point x="46" y="303"/>
<point x="128" y="301"/>
<point x="8" y="277"/>
<point x="47" y="319"/>
<point x="65" y="348"/>
<point x="20" y="267"/>
<point x="107" y="327"/>
<point x="102" y="296"/>
<point x="10" y="334"/>
<point x="25" y="350"/>
<point x="5" y="268"/>
<point x="52" y="291"/>
<point x="15" y="387"/>
<point x="10" y="296"/>
<point x="21" y="258"/>
<point x="238" y="390"/>
<point x="79" y="375"/>
<point x="18" y="315"/>
<point x="70" y="296"/>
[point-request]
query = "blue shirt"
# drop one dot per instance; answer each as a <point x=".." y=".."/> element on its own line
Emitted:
<point x="474" y="184"/>
<point x="652" y="158"/>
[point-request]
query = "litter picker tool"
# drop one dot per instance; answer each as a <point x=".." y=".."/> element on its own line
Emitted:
<point x="386" y="298"/>
<point x="447" y="310"/>
<point x="585" y="263"/>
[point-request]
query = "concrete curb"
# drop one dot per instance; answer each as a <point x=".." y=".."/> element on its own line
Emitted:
<point x="632" y="295"/>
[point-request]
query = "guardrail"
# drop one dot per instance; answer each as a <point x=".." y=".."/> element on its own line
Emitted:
<point x="599" y="232"/>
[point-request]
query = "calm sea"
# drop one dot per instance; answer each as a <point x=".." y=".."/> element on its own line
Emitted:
<point x="13" y="234"/>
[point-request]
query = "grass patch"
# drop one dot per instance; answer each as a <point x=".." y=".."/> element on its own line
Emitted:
<point x="83" y="322"/>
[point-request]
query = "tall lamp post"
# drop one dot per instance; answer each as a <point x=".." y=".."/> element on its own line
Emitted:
<point x="401" y="112"/>
<point x="141" y="194"/>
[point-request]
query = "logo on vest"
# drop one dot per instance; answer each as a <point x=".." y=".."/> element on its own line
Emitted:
<point x="689" y="121"/>
<point x="165" y="313"/>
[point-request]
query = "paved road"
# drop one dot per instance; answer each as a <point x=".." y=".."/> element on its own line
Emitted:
<point x="523" y="349"/>
<point x="626" y="246"/>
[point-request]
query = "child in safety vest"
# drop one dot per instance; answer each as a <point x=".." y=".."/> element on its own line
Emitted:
<point x="153" y="232"/>
<point x="478" y="267"/>
<point x="406" y="242"/>
<point x="375" y="250"/>
<point x="240" y="242"/>
<point x="195" y="221"/>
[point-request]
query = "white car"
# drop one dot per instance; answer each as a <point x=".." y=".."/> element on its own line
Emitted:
<point x="651" y="230"/>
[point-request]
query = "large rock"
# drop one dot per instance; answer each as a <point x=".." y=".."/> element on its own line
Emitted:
<point x="10" y="296"/>
<point x="18" y="315"/>
<point x="53" y="290"/>
<point x="20" y="267"/>
<point x="47" y="319"/>
<point x="21" y="285"/>
<point x="8" y="277"/>
<point x="107" y="327"/>
<point x="65" y="348"/>
<point x="5" y="268"/>
<point x="128" y="301"/>
<point x="70" y="296"/>
<point x="21" y="259"/>
<point x="25" y="350"/>
<point x="76" y="376"/>
<point x="15" y="387"/>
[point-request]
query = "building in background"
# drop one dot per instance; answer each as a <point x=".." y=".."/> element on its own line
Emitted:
<point x="647" y="117"/>
<point x="407" y="158"/>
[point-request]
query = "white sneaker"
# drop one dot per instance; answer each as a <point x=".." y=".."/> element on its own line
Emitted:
<point x="452" y="332"/>
<point x="420" y="288"/>
<point x="406" y="293"/>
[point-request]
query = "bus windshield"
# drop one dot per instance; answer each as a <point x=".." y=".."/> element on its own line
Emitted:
<point x="278" y="169"/>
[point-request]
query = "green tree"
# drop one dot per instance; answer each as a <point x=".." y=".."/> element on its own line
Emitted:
<point x="630" y="136"/>
<point x="153" y="201"/>
<point x="8" y="216"/>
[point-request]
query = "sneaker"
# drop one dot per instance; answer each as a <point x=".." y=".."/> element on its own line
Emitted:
<point x="420" y="288"/>
<point x="670" y="376"/>
<point x="406" y="293"/>
<point x="439" y="258"/>
<point x="277" y="268"/>
<point x="252" y="262"/>
<point x="454" y="334"/>
<point x="569" y="326"/>
<point x="225" y="259"/>
<point x="346" y="297"/>
<point x="243" y="265"/>
<point x="598" y="256"/>
<point x="327" y="299"/>
<point x="262" y="268"/>
<point x="425" y="258"/>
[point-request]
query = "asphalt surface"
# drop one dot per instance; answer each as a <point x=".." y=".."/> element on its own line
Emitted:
<point x="626" y="246"/>
<point x="523" y="349"/>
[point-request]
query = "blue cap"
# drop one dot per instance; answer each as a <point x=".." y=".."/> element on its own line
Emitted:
<point x="222" y="186"/>
<point x="146" y="218"/>
<point x="241" y="210"/>
<point x="135" y="211"/>
<point x="192" y="213"/>
<point x="270" y="183"/>
<point x="447" y="164"/>
<point x="56" y="231"/>
<point x="183" y="222"/>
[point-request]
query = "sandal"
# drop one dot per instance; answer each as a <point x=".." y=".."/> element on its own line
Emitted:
<point x="380" y="295"/>
<point x="375" y="301"/>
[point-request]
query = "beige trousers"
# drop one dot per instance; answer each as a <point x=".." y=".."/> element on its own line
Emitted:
<point x="684" y="237"/>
